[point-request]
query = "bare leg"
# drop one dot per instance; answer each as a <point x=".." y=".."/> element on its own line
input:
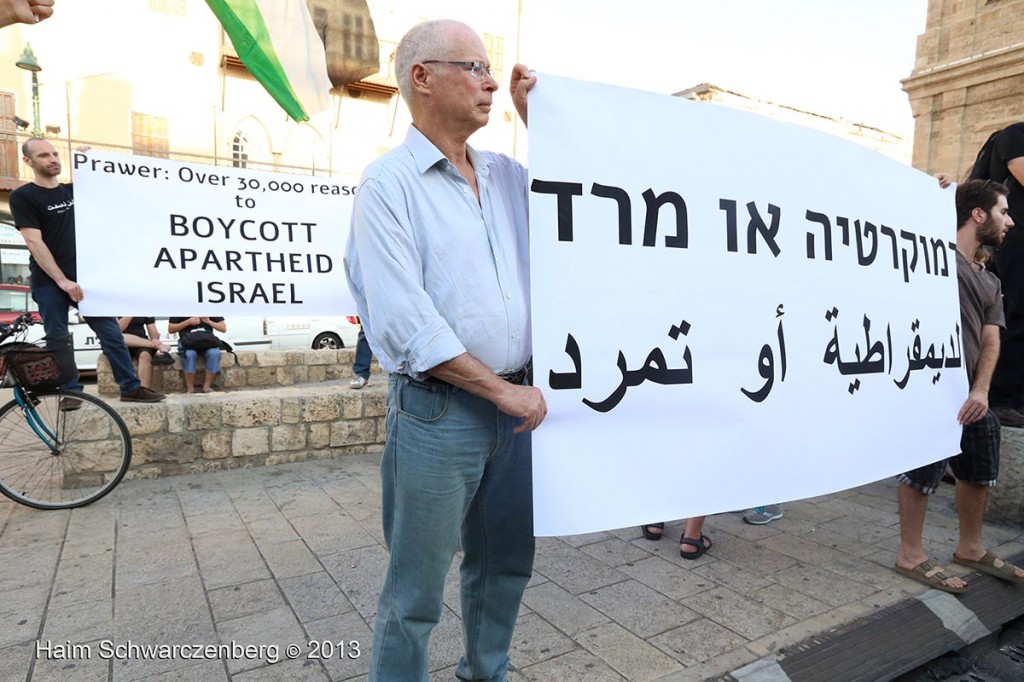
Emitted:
<point x="971" y="500"/>
<point x="970" y="507"/>
<point x="189" y="377"/>
<point x="208" y="381"/>
<point x="693" y="529"/>
<point x="146" y="369"/>
<point x="913" y="505"/>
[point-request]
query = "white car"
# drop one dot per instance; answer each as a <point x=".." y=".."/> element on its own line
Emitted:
<point x="292" y="332"/>
<point x="247" y="332"/>
<point x="312" y="332"/>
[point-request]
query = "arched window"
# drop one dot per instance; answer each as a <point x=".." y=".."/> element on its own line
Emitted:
<point x="239" y="150"/>
<point x="250" y="146"/>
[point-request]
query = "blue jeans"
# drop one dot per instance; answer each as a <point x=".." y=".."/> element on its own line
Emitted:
<point x="54" y="304"/>
<point x="361" y="366"/>
<point x="189" y="357"/>
<point x="451" y="468"/>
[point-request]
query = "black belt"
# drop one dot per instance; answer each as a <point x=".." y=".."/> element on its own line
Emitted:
<point x="517" y="376"/>
<point x="513" y="376"/>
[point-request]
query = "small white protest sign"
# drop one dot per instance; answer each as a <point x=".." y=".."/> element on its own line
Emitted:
<point x="172" y="238"/>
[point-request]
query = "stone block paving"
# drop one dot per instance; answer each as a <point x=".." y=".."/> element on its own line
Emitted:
<point x="250" y="562"/>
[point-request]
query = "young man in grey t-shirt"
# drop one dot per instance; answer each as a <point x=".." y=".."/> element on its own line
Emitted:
<point x="983" y="220"/>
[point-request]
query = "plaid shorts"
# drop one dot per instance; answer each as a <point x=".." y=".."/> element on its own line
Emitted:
<point x="977" y="463"/>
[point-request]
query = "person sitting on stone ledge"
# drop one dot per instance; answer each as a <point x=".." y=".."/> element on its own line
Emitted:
<point x="194" y="338"/>
<point x="143" y="341"/>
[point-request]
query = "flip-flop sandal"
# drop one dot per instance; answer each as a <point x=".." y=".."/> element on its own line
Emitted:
<point x="992" y="565"/>
<point x="931" y="575"/>
<point x="163" y="358"/>
<point x="648" y="535"/>
<point x="702" y="545"/>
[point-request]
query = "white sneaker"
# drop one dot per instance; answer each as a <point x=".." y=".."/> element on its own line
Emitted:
<point x="357" y="383"/>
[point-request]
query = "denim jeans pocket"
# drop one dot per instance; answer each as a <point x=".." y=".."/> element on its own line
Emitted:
<point x="422" y="401"/>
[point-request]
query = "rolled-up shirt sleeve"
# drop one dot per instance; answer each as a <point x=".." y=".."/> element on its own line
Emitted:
<point x="385" y="269"/>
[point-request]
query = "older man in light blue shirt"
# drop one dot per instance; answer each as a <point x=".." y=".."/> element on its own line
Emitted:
<point x="438" y="262"/>
<point x="467" y="258"/>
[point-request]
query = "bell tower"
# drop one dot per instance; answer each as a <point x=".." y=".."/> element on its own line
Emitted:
<point x="968" y="80"/>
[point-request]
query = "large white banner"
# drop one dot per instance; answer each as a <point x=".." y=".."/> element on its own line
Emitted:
<point x="728" y="311"/>
<point x="162" y="237"/>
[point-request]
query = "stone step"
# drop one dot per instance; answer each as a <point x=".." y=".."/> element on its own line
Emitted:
<point x="248" y="369"/>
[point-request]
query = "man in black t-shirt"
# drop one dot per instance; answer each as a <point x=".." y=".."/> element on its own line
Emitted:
<point x="1007" y="166"/>
<point x="44" y="213"/>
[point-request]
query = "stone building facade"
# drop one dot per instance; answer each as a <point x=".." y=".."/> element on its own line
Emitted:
<point x="890" y="144"/>
<point x="968" y="80"/>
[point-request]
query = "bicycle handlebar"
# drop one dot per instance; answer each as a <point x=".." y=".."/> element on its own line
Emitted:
<point x="20" y="324"/>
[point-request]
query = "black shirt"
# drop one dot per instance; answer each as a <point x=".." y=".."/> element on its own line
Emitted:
<point x="1009" y="146"/>
<point x="201" y="325"/>
<point x="138" y="326"/>
<point x="52" y="212"/>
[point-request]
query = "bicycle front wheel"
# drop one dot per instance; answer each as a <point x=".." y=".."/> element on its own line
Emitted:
<point x="66" y="450"/>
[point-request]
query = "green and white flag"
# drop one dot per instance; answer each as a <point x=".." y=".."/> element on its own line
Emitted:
<point x="277" y="42"/>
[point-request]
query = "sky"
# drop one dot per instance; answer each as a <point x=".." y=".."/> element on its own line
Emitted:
<point x="839" y="58"/>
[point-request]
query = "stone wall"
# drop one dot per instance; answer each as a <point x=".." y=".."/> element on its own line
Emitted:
<point x="274" y="407"/>
<point x="187" y="434"/>
<point x="967" y="80"/>
<point x="1006" y="500"/>
<point x="248" y="369"/>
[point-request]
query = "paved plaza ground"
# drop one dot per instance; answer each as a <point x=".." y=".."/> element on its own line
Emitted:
<point x="293" y="554"/>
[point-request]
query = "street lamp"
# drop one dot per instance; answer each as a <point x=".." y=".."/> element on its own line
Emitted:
<point x="28" y="62"/>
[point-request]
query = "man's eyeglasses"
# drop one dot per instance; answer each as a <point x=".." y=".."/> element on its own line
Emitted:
<point x="476" y="69"/>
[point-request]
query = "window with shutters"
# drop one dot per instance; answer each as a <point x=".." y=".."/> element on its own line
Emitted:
<point x="495" y="46"/>
<point x="149" y="135"/>
<point x="10" y="155"/>
<point x="352" y="32"/>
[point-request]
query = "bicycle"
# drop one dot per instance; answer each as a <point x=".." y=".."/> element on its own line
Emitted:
<point x="59" y="449"/>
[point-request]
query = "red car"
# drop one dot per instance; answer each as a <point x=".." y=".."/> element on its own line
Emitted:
<point x="14" y="300"/>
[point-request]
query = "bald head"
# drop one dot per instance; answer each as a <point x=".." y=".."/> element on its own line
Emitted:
<point x="42" y="158"/>
<point x="429" y="40"/>
<point x="34" y="143"/>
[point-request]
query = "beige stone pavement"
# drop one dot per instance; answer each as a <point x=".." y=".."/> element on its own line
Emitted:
<point x="293" y="555"/>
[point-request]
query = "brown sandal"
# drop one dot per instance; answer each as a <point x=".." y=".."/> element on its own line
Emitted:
<point x="931" y="575"/>
<point x="992" y="565"/>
